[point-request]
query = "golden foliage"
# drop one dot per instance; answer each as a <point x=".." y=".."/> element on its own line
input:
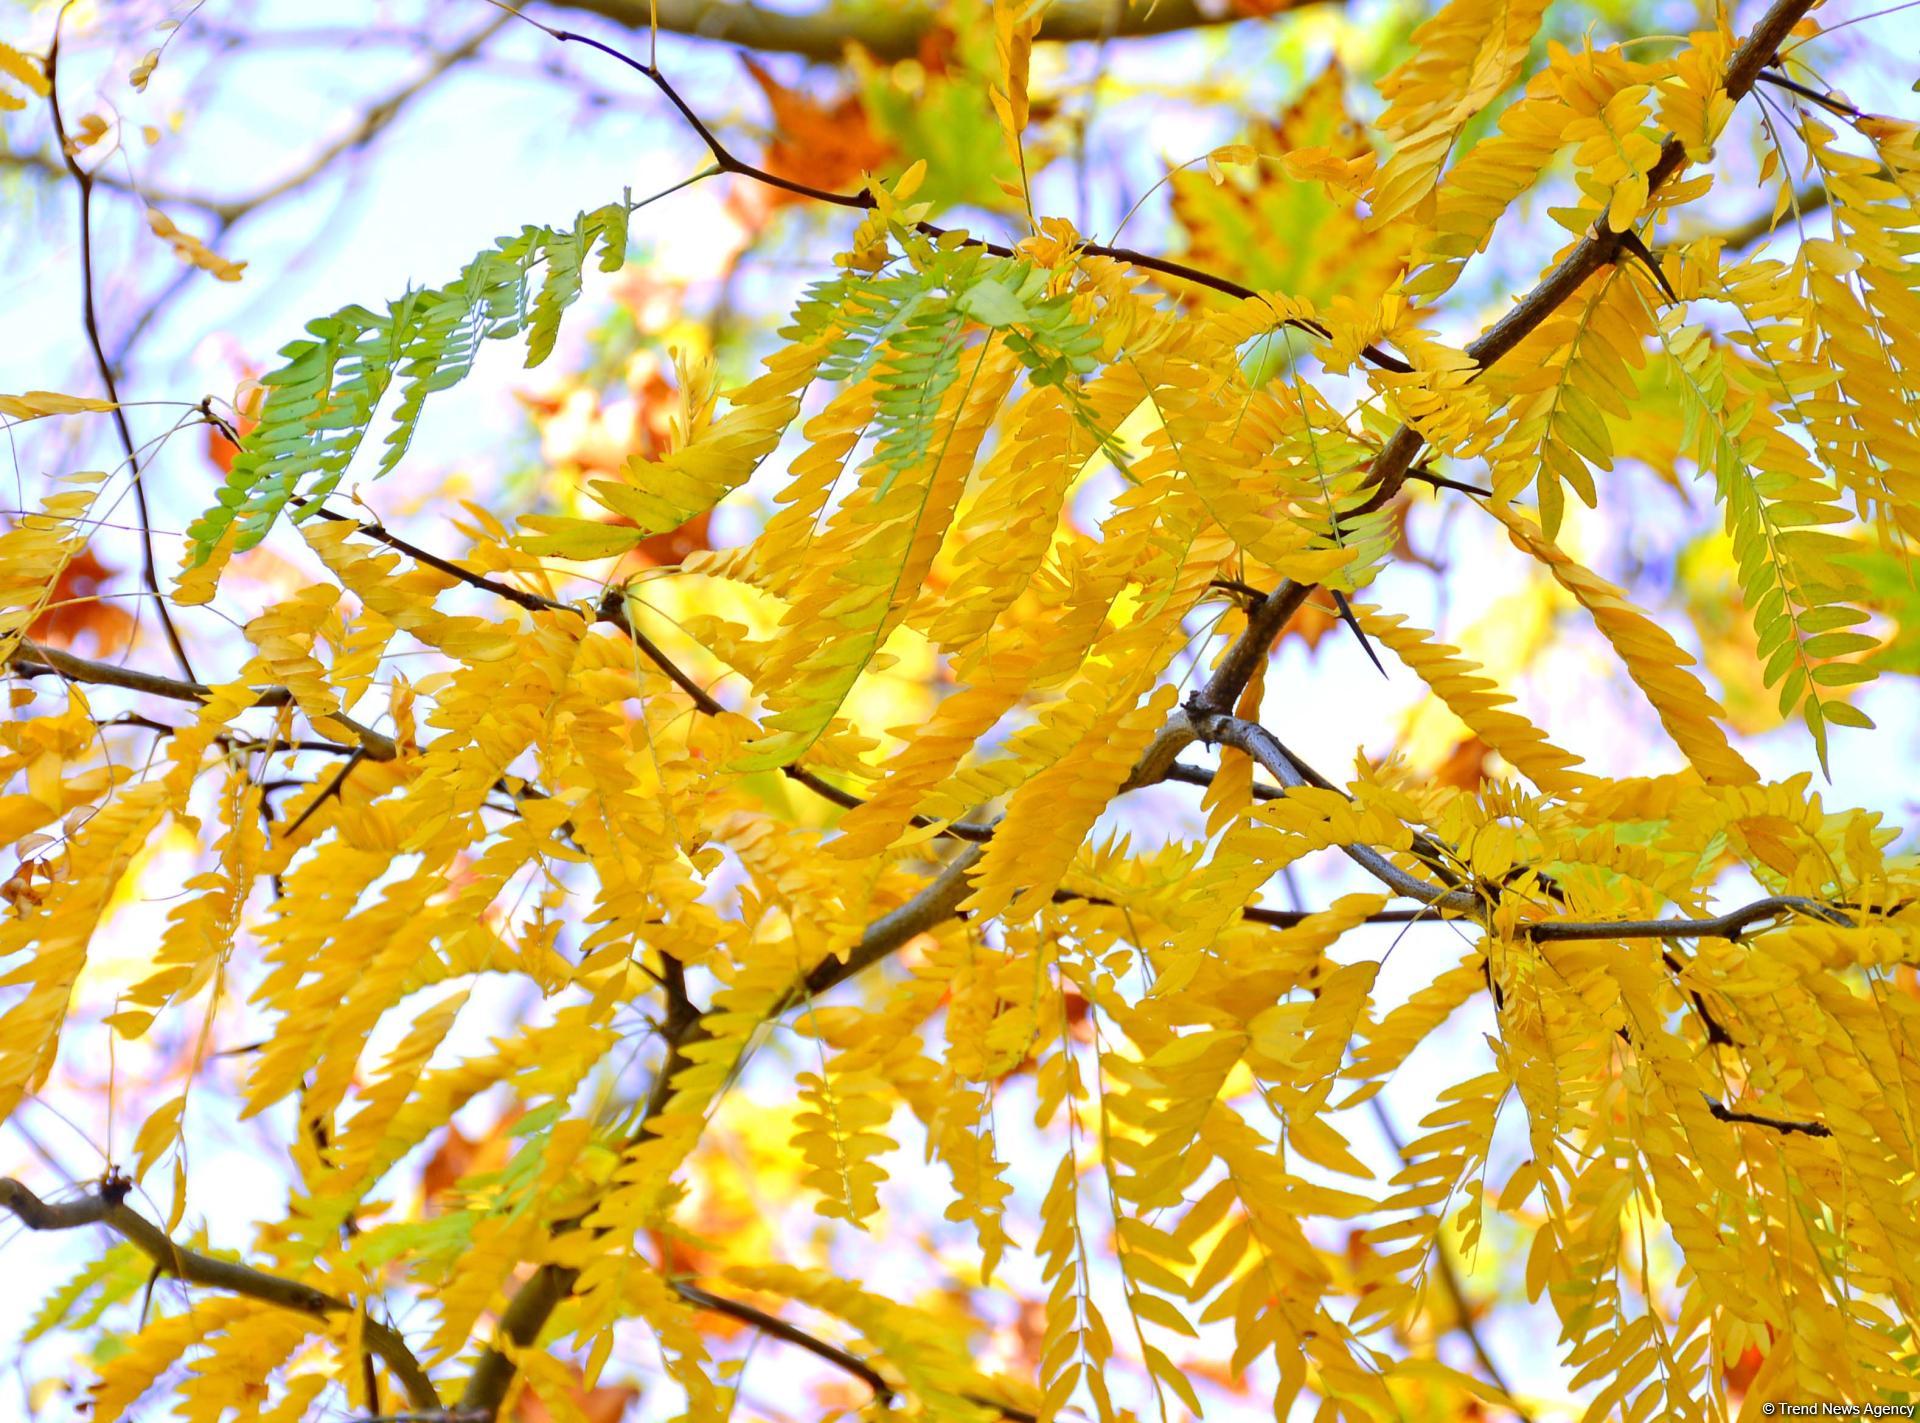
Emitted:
<point x="866" y="806"/>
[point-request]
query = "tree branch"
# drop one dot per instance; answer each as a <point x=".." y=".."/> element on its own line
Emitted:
<point x="777" y="1328"/>
<point x="31" y="659"/>
<point x="1284" y="767"/>
<point x="227" y="211"/>
<point x="1592" y="252"/>
<point x="548" y="1287"/>
<point x="90" y="321"/>
<point x="1723" y="926"/>
<point x="726" y="162"/>
<point x="1395" y="462"/>
<point x="1260" y="744"/>
<point x="895" y="31"/>
<point x="107" y="1206"/>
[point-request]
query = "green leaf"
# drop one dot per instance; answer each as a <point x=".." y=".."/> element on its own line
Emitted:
<point x="321" y="402"/>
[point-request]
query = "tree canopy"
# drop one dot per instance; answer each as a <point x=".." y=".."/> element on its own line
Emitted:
<point x="824" y="790"/>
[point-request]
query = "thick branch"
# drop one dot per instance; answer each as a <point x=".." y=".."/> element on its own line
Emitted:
<point x="1250" y="649"/>
<point x="106" y="1207"/>
<point x="30" y="659"/>
<point x="1592" y="252"/>
<point x="894" y="31"/>
<point x="1724" y="926"/>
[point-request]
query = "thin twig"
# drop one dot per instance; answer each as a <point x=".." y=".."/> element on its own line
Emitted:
<point x="227" y="211"/>
<point x="90" y="319"/>
<point x="863" y="201"/>
<point x="777" y="1328"/>
<point x="1449" y="1277"/>
<point x="333" y="788"/>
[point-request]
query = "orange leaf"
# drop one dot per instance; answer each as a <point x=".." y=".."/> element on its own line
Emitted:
<point x="605" y="1404"/>
<point x="76" y="605"/>
<point x="1465" y="767"/>
<point x="813" y="143"/>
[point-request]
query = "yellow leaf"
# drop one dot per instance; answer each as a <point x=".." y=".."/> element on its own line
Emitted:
<point x="25" y="70"/>
<point x="191" y="249"/>
<point x="34" y="404"/>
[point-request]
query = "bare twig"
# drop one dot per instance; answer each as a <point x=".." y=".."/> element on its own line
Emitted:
<point x="775" y="1327"/>
<point x="90" y="319"/>
<point x="727" y="162"/>
<point x="333" y="788"/>
<point x="227" y="211"/>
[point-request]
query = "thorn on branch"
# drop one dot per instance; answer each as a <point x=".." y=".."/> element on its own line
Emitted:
<point x="1423" y="475"/>
<point x="1832" y="103"/>
<point x="1785" y="1125"/>
<point x="1635" y="246"/>
<point x="1353" y="625"/>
